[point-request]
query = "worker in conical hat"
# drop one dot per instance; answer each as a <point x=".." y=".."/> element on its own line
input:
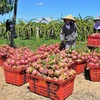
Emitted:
<point x="97" y="24"/>
<point x="69" y="17"/>
<point x="68" y="33"/>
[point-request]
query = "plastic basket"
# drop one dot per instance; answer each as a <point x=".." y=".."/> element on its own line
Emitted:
<point x="95" y="74"/>
<point x="93" y="42"/>
<point x="51" y="89"/>
<point x="15" y="77"/>
<point x="98" y="42"/>
<point x="79" y="67"/>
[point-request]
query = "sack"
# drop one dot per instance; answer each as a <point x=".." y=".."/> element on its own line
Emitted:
<point x="62" y="46"/>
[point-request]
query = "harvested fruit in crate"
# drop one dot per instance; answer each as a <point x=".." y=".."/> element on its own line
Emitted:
<point x="95" y="74"/>
<point x="94" y="40"/>
<point x="52" y="48"/>
<point x="52" y="67"/>
<point x="77" y="56"/>
<point x="95" y="35"/>
<point x="79" y="59"/>
<point x="93" y="60"/>
<point x="15" y="76"/>
<point x="3" y="53"/>
<point x="93" y="63"/>
<point x="80" y="67"/>
<point x="56" y="90"/>
<point x="50" y="73"/>
<point x="16" y="64"/>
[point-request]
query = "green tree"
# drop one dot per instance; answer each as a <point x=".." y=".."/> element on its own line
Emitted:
<point x="6" y="6"/>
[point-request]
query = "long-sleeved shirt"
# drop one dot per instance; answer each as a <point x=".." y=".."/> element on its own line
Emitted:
<point x="68" y="32"/>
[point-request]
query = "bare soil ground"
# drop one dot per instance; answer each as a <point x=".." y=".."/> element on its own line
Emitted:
<point x="84" y="89"/>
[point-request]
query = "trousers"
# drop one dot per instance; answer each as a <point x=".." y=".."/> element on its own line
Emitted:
<point x="70" y="44"/>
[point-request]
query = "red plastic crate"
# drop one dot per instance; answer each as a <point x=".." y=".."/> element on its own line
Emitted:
<point x="79" y="67"/>
<point x="2" y="59"/>
<point x="95" y="74"/>
<point x="15" y="77"/>
<point x="51" y="89"/>
<point x="98" y="42"/>
<point x="93" y="42"/>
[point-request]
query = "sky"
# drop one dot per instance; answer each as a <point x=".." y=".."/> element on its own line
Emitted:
<point x="28" y="9"/>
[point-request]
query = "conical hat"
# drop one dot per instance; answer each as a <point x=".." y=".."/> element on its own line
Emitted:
<point x="69" y="17"/>
<point x="97" y="18"/>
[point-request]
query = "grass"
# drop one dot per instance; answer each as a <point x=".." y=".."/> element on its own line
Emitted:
<point x="33" y="44"/>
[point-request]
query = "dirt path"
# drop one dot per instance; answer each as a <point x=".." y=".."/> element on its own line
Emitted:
<point x="83" y="90"/>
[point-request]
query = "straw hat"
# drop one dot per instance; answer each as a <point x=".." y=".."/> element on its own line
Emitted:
<point x="69" y="17"/>
<point x="97" y="18"/>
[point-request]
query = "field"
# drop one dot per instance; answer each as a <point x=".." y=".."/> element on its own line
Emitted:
<point x="84" y="89"/>
<point x="33" y="44"/>
<point x="36" y="53"/>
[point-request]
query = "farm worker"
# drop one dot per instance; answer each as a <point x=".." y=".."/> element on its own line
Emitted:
<point x="97" y="24"/>
<point x="68" y="33"/>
